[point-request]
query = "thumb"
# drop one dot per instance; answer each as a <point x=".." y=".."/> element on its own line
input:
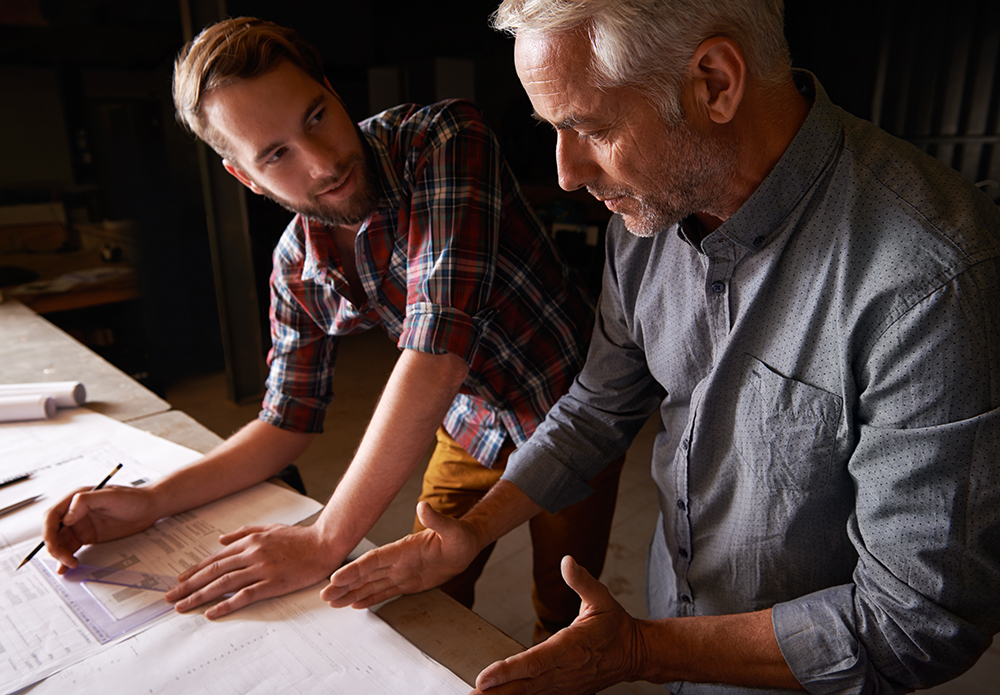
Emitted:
<point x="581" y="581"/>
<point x="79" y="507"/>
<point x="433" y="519"/>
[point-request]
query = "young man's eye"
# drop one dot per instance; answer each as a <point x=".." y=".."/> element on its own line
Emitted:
<point x="276" y="155"/>
<point x="318" y="116"/>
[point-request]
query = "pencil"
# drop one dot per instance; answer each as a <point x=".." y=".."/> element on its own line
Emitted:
<point x="42" y="544"/>
<point x="15" y="479"/>
<point x="19" y="505"/>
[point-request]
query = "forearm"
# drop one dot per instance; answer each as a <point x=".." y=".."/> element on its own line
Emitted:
<point x="419" y="392"/>
<point x="733" y="649"/>
<point x="255" y="453"/>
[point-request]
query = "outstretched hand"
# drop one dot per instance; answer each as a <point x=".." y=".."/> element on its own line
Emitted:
<point x="415" y="563"/>
<point x="258" y="562"/>
<point x="602" y="647"/>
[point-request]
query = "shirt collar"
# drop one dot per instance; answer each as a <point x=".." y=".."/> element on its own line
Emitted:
<point x="802" y="163"/>
<point x="390" y="181"/>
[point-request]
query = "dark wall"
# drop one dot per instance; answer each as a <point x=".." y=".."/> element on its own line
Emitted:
<point x="121" y="155"/>
<point x="111" y="61"/>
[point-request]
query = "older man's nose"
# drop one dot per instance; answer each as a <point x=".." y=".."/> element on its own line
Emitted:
<point x="574" y="162"/>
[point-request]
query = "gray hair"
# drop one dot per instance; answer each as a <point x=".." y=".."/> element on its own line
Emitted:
<point x="646" y="44"/>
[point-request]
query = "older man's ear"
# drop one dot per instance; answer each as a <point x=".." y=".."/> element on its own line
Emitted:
<point x="717" y="79"/>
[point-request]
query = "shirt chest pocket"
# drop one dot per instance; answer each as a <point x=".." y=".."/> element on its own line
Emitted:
<point x="785" y="429"/>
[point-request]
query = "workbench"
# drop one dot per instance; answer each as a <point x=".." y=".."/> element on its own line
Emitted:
<point x="32" y="350"/>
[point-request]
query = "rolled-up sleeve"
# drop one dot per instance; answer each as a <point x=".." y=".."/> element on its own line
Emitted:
<point x="302" y="355"/>
<point x="452" y="236"/>
<point x="596" y="421"/>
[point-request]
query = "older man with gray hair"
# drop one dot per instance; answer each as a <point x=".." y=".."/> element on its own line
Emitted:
<point x="810" y="306"/>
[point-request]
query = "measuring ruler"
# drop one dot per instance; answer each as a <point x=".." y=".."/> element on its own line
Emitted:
<point x="100" y="596"/>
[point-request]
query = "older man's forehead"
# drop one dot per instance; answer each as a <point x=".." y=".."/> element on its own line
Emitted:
<point x="552" y="68"/>
<point x="565" y="52"/>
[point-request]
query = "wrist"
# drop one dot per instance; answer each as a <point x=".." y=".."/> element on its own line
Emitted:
<point x="651" y="635"/>
<point x="737" y="649"/>
<point x="504" y="508"/>
<point x="333" y="541"/>
<point x="157" y="501"/>
<point x="478" y="530"/>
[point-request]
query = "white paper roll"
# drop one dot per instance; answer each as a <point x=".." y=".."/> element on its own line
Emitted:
<point x="67" y="394"/>
<point x="27" y="408"/>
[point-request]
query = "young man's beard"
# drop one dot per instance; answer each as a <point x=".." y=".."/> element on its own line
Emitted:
<point x="352" y="211"/>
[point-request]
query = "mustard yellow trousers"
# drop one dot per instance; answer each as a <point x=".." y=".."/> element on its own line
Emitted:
<point x="454" y="482"/>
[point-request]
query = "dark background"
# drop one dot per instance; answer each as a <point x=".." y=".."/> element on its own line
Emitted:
<point x="108" y="147"/>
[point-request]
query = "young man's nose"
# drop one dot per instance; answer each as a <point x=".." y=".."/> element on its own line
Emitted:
<point x="321" y="159"/>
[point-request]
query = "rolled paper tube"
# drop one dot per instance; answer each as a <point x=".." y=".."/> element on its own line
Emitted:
<point x="67" y="394"/>
<point x="14" y="408"/>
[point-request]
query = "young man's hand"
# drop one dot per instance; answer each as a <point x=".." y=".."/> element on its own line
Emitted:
<point x="88" y="516"/>
<point x="258" y="562"/>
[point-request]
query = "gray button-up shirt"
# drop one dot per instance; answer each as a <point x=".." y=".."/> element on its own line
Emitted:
<point x="826" y="366"/>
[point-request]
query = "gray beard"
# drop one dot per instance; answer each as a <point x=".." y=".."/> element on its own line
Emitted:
<point x="694" y="180"/>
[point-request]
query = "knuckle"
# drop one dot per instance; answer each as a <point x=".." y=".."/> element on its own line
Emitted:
<point x="247" y="594"/>
<point x="227" y="581"/>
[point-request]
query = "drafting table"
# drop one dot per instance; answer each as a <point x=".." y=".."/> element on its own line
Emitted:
<point x="32" y="349"/>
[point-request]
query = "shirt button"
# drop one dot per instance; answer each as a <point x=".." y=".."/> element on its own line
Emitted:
<point x="685" y="598"/>
<point x="683" y="553"/>
<point x="758" y="242"/>
<point x="685" y="444"/>
<point x="718" y="287"/>
<point x="680" y="505"/>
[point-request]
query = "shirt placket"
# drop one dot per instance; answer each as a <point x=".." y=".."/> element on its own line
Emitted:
<point x="682" y="527"/>
<point x="721" y="255"/>
<point x="720" y="259"/>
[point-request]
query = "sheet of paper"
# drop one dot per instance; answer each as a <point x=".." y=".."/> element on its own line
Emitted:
<point x="26" y="446"/>
<point x="292" y="645"/>
<point x="48" y="485"/>
<point x="75" y="449"/>
<point x="42" y="634"/>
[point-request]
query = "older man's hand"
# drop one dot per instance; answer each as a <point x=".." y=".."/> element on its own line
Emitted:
<point x="415" y="563"/>
<point x="602" y="647"/>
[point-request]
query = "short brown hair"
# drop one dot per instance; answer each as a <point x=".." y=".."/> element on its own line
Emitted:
<point x="229" y="51"/>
